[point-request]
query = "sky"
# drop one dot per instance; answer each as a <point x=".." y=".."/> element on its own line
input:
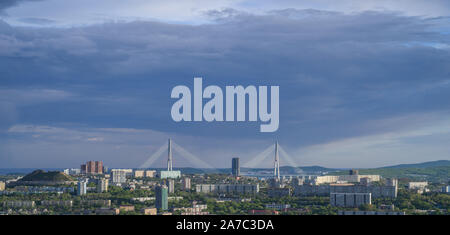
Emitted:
<point x="362" y="83"/>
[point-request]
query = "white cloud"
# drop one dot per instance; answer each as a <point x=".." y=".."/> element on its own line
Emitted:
<point x="83" y="12"/>
<point x="412" y="143"/>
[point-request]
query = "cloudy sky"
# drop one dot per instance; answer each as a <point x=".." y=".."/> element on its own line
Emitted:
<point x="362" y="83"/>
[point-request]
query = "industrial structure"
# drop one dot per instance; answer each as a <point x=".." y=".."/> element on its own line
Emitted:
<point x="276" y="170"/>
<point x="170" y="173"/>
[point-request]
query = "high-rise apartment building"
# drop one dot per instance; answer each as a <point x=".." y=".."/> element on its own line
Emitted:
<point x="350" y="199"/>
<point x="186" y="183"/>
<point x="227" y="188"/>
<point x="92" y="167"/>
<point x="82" y="186"/>
<point x="170" y="183"/>
<point x="102" y="185"/>
<point x="235" y="167"/>
<point x="139" y="173"/>
<point x="162" y="197"/>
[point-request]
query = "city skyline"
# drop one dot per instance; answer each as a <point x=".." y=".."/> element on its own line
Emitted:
<point x="362" y="85"/>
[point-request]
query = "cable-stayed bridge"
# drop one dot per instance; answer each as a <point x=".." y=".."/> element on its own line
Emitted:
<point x="273" y="150"/>
<point x="173" y="147"/>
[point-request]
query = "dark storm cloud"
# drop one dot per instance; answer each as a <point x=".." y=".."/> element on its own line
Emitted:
<point x="10" y="3"/>
<point x="336" y="71"/>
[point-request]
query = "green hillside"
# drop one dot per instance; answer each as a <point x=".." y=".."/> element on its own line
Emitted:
<point x="437" y="171"/>
<point x="40" y="175"/>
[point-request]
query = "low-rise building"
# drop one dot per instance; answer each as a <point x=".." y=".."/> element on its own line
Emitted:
<point x="58" y="203"/>
<point x="139" y="174"/>
<point x="19" y="204"/>
<point x="279" y="192"/>
<point x="2" y="186"/>
<point x="227" y="188"/>
<point x="350" y="199"/>
<point x="82" y="187"/>
<point x="107" y="211"/>
<point x="144" y="199"/>
<point x="186" y="183"/>
<point x="263" y="212"/>
<point x="371" y="213"/>
<point x="377" y="191"/>
<point x="102" y="185"/>
<point x="196" y="209"/>
<point x="99" y="203"/>
<point x="126" y="207"/>
<point x="43" y="189"/>
<point x="119" y="176"/>
<point x="149" y="211"/>
<point x="72" y="171"/>
<point x="354" y="178"/>
<point x="279" y="207"/>
<point x="390" y="207"/>
<point x="417" y="185"/>
<point x="150" y="174"/>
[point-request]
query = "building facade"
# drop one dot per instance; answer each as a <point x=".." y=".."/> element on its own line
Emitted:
<point x="417" y="185"/>
<point x="235" y="167"/>
<point x="377" y="191"/>
<point x="186" y="183"/>
<point x="196" y="209"/>
<point x="149" y="211"/>
<point x="92" y="167"/>
<point x="99" y="202"/>
<point x="119" y="176"/>
<point x="371" y="213"/>
<point x="169" y="174"/>
<point x="162" y="197"/>
<point x="59" y="203"/>
<point x="355" y="178"/>
<point x="350" y="199"/>
<point x="102" y="185"/>
<point x="228" y="188"/>
<point x="278" y="207"/>
<point x="72" y="171"/>
<point x="150" y="174"/>
<point x="139" y="174"/>
<point x="19" y="204"/>
<point x="279" y="192"/>
<point x="170" y="183"/>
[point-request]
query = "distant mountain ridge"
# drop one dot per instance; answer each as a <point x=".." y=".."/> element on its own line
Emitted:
<point x="284" y="169"/>
<point x="421" y="165"/>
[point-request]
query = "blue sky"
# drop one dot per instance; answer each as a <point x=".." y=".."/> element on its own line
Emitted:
<point x="362" y="83"/>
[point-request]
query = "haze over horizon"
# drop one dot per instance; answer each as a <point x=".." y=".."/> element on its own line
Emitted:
<point x="362" y="84"/>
